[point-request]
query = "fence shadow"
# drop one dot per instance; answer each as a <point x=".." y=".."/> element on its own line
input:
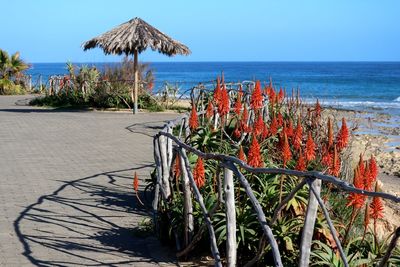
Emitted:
<point x="90" y="222"/>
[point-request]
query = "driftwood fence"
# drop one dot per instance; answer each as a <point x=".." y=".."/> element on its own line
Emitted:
<point x="167" y="146"/>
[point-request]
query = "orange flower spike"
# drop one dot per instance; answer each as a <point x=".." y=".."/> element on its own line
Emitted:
<point x="280" y="120"/>
<point x="254" y="157"/>
<point x="342" y="137"/>
<point x="238" y="105"/>
<point x="301" y="163"/>
<point x="273" y="128"/>
<point x="193" y="120"/>
<point x="310" y="148"/>
<point x="281" y="95"/>
<point x="135" y="182"/>
<point x="376" y="206"/>
<point x="271" y="96"/>
<point x="199" y="173"/>
<point x="241" y="154"/>
<point x="258" y="127"/>
<point x="177" y="166"/>
<point x="217" y="92"/>
<point x="373" y="168"/>
<point x="210" y="110"/>
<point x="265" y="131"/>
<point x="223" y="106"/>
<point x="289" y="130"/>
<point x="318" y="109"/>
<point x="326" y="156"/>
<point x="298" y="135"/>
<point x="240" y="92"/>
<point x="334" y="168"/>
<point x="243" y="121"/>
<point x="286" y="153"/>
<point x="361" y="167"/>
<point x="330" y="133"/>
<point x="354" y="199"/>
<point x="256" y="101"/>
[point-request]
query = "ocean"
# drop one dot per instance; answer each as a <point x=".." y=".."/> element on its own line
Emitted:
<point x="371" y="86"/>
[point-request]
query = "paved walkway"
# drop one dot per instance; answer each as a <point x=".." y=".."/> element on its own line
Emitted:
<point x="66" y="194"/>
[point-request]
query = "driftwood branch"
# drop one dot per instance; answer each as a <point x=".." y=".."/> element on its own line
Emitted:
<point x="392" y="245"/>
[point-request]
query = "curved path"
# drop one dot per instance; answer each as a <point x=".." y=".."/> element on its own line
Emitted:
<point x="66" y="194"/>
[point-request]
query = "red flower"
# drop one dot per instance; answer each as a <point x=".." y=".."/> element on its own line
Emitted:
<point x="342" y="137"/>
<point x="289" y="130"/>
<point x="271" y="96"/>
<point x="376" y="206"/>
<point x="238" y="105"/>
<point x="330" y="133"/>
<point x="310" y="148"/>
<point x="254" y="157"/>
<point x="273" y="128"/>
<point x="317" y="109"/>
<point x="265" y="131"/>
<point x="241" y="154"/>
<point x="135" y="182"/>
<point x="193" y="120"/>
<point x="258" y="127"/>
<point x="210" y="110"/>
<point x="354" y="199"/>
<point x="217" y="92"/>
<point x="243" y="121"/>
<point x="298" y="135"/>
<point x="256" y="97"/>
<point x="334" y="167"/>
<point x="286" y="153"/>
<point x="301" y="163"/>
<point x="326" y="156"/>
<point x="237" y="132"/>
<point x="199" y="173"/>
<point x="223" y="105"/>
<point x="281" y="95"/>
<point x="177" y="167"/>
<point x="280" y="120"/>
<point x="373" y="168"/>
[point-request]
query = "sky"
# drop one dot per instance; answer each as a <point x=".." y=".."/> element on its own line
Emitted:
<point x="225" y="30"/>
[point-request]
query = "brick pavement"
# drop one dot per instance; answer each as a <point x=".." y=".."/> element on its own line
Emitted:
<point x="66" y="187"/>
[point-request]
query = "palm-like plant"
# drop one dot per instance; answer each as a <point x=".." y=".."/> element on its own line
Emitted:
<point x="11" y="68"/>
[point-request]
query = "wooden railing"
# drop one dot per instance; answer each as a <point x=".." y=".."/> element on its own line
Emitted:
<point x="167" y="146"/>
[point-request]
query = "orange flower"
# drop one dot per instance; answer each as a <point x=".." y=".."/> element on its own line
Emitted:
<point x="301" y="163"/>
<point x="135" y="182"/>
<point x="265" y="131"/>
<point x="256" y="97"/>
<point x="273" y="128"/>
<point x="330" y="133"/>
<point x="289" y="130"/>
<point x="210" y="110"/>
<point x="193" y="120"/>
<point x="373" y="168"/>
<point x="241" y="154"/>
<point x="199" y="173"/>
<point x="326" y="156"/>
<point x="223" y="105"/>
<point x="258" y="126"/>
<point x="334" y="167"/>
<point x="271" y="96"/>
<point x="286" y="153"/>
<point x="310" y="148"/>
<point x="317" y="109"/>
<point x="237" y="132"/>
<point x="280" y="120"/>
<point x="342" y="137"/>
<point x="238" y="105"/>
<point x="298" y="135"/>
<point x="281" y="95"/>
<point x="376" y="207"/>
<point x="217" y="92"/>
<point x="240" y="92"/>
<point x="354" y="199"/>
<point x="254" y="157"/>
<point x="243" y="121"/>
<point x="177" y="166"/>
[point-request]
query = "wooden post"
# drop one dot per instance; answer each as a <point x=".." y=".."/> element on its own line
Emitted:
<point x="169" y="146"/>
<point x="164" y="163"/>
<point x="230" y="212"/>
<point x="134" y="92"/>
<point x="188" y="205"/>
<point x="309" y="223"/>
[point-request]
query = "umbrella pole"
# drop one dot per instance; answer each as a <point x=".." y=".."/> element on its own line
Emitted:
<point x="135" y="92"/>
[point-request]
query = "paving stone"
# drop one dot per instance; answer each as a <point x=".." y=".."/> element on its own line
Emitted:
<point x="66" y="194"/>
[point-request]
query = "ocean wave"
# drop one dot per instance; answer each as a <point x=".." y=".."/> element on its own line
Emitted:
<point x="359" y="104"/>
<point x="397" y="99"/>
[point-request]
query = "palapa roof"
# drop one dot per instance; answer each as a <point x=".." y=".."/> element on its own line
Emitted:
<point x="136" y="34"/>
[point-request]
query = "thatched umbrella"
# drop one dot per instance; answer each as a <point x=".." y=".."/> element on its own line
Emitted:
<point x="133" y="37"/>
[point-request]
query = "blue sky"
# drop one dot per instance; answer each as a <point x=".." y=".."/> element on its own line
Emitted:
<point x="357" y="30"/>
